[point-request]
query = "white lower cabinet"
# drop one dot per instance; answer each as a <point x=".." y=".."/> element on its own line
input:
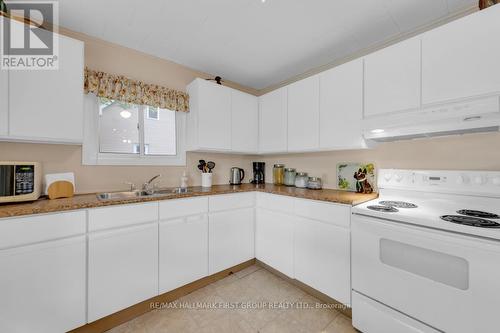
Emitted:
<point x="42" y="287"/>
<point x="231" y="235"/>
<point x="183" y="251"/>
<point x="322" y="258"/>
<point x="122" y="268"/>
<point x="42" y="273"/>
<point x="274" y="234"/>
<point x="130" y="253"/>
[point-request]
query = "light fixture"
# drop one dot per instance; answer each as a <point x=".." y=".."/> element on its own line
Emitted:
<point x="377" y="131"/>
<point x="125" y="114"/>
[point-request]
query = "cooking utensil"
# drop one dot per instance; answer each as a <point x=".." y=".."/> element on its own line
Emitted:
<point x="210" y="166"/>
<point x="203" y="166"/>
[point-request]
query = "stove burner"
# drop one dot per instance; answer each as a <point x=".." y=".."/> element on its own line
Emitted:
<point x="470" y="221"/>
<point x="380" y="208"/>
<point x="478" y="213"/>
<point x="398" y="204"/>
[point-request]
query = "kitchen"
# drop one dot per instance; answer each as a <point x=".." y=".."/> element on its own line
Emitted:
<point x="416" y="96"/>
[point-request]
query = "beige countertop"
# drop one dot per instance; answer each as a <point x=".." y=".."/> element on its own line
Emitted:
<point x="83" y="201"/>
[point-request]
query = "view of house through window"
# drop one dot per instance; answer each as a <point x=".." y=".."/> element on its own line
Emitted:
<point x="124" y="128"/>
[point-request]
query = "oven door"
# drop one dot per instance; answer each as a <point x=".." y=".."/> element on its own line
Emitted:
<point x="448" y="281"/>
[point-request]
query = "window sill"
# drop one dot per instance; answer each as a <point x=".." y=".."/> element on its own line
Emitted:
<point x="113" y="159"/>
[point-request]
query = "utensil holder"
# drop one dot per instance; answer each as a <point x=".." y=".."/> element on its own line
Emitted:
<point x="206" y="179"/>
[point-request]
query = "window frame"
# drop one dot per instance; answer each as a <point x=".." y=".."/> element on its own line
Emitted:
<point x="157" y="113"/>
<point x="91" y="154"/>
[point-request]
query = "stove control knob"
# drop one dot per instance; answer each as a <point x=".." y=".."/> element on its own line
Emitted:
<point x="496" y="181"/>
<point x="399" y="178"/>
<point x="387" y="177"/>
<point x="462" y="179"/>
<point x="479" y="180"/>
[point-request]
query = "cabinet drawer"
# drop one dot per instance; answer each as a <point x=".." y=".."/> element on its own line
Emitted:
<point x="371" y="316"/>
<point x="231" y="201"/>
<point x="327" y="212"/>
<point x="183" y="207"/>
<point x="39" y="228"/>
<point x="121" y="216"/>
<point x="275" y="202"/>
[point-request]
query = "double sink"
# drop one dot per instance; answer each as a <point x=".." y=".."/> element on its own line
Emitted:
<point x="142" y="194"/>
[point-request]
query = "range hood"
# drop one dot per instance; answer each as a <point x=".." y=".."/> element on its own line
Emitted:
<point x="481" y="115"/>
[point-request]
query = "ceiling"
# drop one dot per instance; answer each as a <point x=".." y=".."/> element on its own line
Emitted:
<point x="252" y="43"/>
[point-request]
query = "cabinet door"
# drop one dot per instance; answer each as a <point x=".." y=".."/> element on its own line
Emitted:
<point x="392" y="78"/>
<point x="214" y="116"/>
<point x="274" y="240"/>
<point x="245" y="122"/>
<point x="460" y="59"/>
<point x="183" y="251"/>
<point x="231" y="238"/>
<point x="322" y="258"/>
<point x="123" y="269"/>
<point x="273" y="121"/>
<point x="303" y="114"/>
<point x="42" y="287"/>
<point x="341" y="106"/>
<point x="47" y="105"/>
<point x="4" y="101"/>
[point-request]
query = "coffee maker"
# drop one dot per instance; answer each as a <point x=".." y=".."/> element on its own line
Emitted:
<point x="259" y="173"/>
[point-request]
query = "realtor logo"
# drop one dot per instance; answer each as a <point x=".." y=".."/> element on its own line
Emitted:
<point x="32" y="45"/>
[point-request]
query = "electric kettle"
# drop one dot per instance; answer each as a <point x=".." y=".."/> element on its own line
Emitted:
<point x="236" y="176"/>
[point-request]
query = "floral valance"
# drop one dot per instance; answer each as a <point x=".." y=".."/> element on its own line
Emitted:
<point x="131" y="91"/>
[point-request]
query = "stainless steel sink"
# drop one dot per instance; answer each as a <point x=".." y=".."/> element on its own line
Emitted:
<point x="121" y="195"/>
<point x="142" y="194"/>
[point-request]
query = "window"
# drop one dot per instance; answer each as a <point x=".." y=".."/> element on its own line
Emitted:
<point x="130" y="134"/>
<point x="118" y="127"/>
<point x="153" y="113"/>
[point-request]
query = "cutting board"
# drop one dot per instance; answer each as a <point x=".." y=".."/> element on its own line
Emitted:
<point x="60" y="185"/>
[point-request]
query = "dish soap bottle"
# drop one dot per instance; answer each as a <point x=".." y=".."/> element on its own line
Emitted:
<point x="184" y="180"/>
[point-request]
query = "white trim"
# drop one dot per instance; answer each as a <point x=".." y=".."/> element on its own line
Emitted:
<point x="90" y="148"/>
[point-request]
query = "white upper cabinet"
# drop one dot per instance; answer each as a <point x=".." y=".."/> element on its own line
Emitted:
<point x="209" y="116"/>
<point x="221" y="119"/>
<point x="273" y="121"/>
<point x="392" y="78"/>
<point x="47" y="105"/>
<point x="245" y="122"/>
<point x="4" y="102"/>
<point x="341" y="107"/>
<point x="303" y="115"/>
<point x="461" y="59"/>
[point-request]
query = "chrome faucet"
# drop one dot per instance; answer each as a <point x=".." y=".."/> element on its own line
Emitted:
<point x="147" y="185"/>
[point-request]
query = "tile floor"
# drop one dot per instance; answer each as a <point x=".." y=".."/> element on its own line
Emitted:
<point x="267" y="303"/>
